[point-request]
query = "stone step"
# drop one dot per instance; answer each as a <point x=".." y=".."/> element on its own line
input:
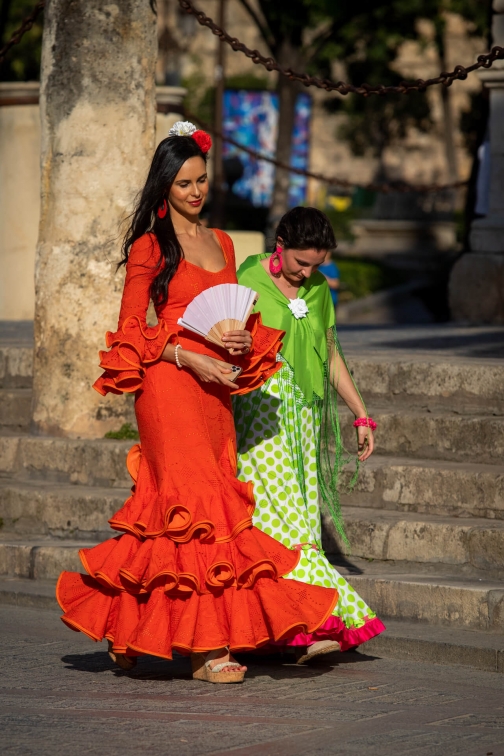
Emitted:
<point x="15" y="366"/>
<point x="449" y="382"/>
<point x="39" y="508"/>
<point x="96" y="462"/>
<point x="411" y="641"/>
<point x="440" y="598"/>
<point x="25" y="592"/>
<point x="414" y="641"/>
<point x="437" y="598"/>
<point x="437" y="435"/>
<point x="459" y="489"/>
<point x="36" y="508"/>
<point x="15" y="408"/>
<point x="474" y="545"/>
<point x="39" y="558"/>
<point x="465" y="386"/>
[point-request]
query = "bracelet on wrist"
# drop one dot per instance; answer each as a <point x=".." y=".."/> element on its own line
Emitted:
<point x="177" y="361"/>
<point x="365" y="422"/>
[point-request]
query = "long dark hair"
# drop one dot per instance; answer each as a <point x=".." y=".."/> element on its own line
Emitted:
<point x="306" y="228"/>
<point x="168" y="159"/>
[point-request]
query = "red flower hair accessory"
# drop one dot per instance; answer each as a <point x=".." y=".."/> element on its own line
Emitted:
<point x="203" y="140"/>
<point x="186" y="128"/>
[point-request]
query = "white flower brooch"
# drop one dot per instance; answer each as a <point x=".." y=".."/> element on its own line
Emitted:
<point x="182" y="128"/>
<point x="298" y="308"/>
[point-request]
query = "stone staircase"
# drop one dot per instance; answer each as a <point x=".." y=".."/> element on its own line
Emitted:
<point x="426" y="521"/>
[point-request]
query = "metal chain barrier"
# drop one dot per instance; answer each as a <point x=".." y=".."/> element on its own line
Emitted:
<point x="404" y="87"/>
<point x="382" y="187"/>
<point x="484" y="61"/>
<point x="19" y="33"/>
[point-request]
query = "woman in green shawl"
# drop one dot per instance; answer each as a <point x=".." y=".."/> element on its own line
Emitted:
<point x="288" y="434"/>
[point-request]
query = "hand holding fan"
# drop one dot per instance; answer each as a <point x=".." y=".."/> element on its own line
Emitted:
<point x="217" y="310"/>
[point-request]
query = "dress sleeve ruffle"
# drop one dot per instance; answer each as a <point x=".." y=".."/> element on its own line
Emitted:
<point x="261" y="362"/>
<point x="134" y="346"/>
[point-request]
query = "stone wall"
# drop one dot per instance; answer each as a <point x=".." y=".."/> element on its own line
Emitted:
<point x="19" y="198"/>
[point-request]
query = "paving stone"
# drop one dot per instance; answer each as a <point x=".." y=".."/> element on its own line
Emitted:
<point x="59" y="689"/>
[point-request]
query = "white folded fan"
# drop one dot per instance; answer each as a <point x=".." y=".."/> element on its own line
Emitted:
<point x="221" y="308"/>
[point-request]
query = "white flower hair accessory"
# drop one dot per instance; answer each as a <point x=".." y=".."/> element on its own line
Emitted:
<point x="182" y="128"/>
<point x="299" y="308"/>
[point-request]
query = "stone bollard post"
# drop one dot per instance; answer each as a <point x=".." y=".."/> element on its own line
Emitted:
<point x="97" y="105"/>
<point x="477" y="279"/>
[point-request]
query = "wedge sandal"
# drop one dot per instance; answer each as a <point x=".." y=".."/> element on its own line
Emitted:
<point x="202" y="671"/>
<point x="319" y="649"/>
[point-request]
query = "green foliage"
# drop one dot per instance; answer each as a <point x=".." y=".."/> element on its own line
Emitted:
<point x="249" y="81"/>
<point x="369" y="43"/>
<point x="125" y="433"/>
<point x="23" y="60"/>
<point x="200" y="99"/>
<point x="366" y="35"/>
<point x="360" y="278"/>
<point x="341" y="221"/>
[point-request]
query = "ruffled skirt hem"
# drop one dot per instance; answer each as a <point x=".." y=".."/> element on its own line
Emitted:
<point x="157" y="623"/>
<point x="335" y="629"/>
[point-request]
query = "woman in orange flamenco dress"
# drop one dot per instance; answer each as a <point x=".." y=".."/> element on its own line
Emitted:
<point x="189" y="572"/>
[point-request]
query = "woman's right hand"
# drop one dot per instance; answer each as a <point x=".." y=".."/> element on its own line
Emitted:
<point x="206" y="368"/>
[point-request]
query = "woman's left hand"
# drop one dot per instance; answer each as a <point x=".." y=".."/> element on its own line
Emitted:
<point x="237" y="342"/>
<point x="366" y="443"/>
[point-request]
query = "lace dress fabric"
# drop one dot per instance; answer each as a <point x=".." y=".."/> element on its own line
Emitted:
<point x="189" y="571"/>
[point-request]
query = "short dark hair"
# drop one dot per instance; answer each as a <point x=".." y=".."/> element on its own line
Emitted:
<point x="306" y="228"/>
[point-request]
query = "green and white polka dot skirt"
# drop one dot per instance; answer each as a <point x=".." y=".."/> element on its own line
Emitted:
<point x="277" y="448"/>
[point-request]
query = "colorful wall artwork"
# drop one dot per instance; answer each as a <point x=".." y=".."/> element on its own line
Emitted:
<point x="251" y="118"/>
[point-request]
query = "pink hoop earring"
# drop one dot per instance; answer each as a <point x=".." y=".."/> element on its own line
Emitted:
<point x="162" y="209"/>
<point x="275" y="265"/>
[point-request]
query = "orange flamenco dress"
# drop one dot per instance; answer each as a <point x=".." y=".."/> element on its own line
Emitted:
<point x="189" y="572"/>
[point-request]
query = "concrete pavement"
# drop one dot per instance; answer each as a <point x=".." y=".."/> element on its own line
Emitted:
<point x="61" y="695"/>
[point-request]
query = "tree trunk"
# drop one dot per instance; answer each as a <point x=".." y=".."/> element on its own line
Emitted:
<point x="97" y="108"/>
<point x="287" y="91"/>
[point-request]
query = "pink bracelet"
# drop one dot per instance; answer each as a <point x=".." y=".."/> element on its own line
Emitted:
<point x="365" y="422"/>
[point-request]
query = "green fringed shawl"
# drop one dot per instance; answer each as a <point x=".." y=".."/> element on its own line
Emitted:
<point x="305" y="342"/>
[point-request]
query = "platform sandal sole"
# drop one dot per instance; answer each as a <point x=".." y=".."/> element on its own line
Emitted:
<point x="326" y="650"/>
<point x="202" y="672"/>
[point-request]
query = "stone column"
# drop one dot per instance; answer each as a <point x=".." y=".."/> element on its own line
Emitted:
<point x="97" y="105"/>
<point x="477" y="279"/>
